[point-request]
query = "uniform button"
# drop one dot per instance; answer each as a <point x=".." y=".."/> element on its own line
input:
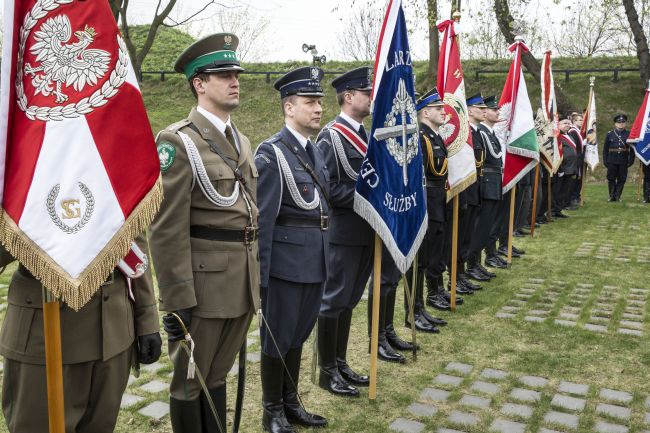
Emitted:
<point x="105" y="298"/>
<point x="201" y="266"/>
<point x="285" y="238"/>
<point x="28" y="301"/>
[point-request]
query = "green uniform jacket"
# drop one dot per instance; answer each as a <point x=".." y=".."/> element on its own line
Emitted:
<point x="106" y="326"/>
<point x="219" y="279"/>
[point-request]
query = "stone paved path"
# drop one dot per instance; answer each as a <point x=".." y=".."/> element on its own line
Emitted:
<point x="607" y="309"/>
<point x="491" y="400"/>
<point x="607" y="251"/>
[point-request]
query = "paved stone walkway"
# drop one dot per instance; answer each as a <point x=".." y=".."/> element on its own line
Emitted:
<point x="465" y="398"/>
<point x="607" y="251"/>
<point x="606" y="309"/>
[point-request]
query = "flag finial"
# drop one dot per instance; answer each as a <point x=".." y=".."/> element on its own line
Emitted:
<point x="456" y="16"/>
<point x="592" y="80"/>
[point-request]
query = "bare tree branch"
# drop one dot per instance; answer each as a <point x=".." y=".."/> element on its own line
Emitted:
<point x="640" y="39"/>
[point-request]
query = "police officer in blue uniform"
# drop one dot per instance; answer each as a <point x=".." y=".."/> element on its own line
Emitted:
<point x="431" y="257"/>
<point x="343" y="143"/>
<point x="617" y="157"/>
<point x="293" y="201"/>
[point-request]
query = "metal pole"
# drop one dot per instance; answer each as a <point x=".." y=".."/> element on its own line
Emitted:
<point x="511" y="223"/>
<point x="454" y="253"/>
<point x="533" y="217"/>
<point x="374" y="331"/>
<point x="53" y="362"/>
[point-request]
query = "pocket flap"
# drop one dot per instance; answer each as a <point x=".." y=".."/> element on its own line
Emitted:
<point x="209" y="261"/>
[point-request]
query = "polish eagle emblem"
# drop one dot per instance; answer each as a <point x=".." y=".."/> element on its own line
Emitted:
<point x="64" y="63"/>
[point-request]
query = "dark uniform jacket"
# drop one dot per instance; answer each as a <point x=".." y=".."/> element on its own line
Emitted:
<point x="473" y="191"/>
<point x="347" y="227"/>
<point x="615" y="149"/>
<point x="492" y="177"/>
<point x="434" y="156"/>
<point x="106" y="326"/>
<point x="569" y="156"/>
<point x="296" y="254"/>
<point x="220" y="279"/>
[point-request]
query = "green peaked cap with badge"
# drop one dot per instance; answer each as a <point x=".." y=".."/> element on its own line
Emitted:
<point x="214" y="53"/>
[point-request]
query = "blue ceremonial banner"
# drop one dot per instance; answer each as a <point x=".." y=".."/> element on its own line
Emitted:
<point x="640" y="133"/>
<point x="390" y="192"/>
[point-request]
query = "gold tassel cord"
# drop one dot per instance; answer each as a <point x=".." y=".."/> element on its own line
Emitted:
<point x="76" y="292"/>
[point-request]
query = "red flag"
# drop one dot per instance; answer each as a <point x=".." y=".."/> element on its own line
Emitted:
<point x="550" y="151"/>
<point x="82" y="175"/>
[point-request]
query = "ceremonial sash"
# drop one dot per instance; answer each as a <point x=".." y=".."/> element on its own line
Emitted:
<point x="577" y="131"/>
<point x="566" y="139"/>
<point x="353" y="138"/>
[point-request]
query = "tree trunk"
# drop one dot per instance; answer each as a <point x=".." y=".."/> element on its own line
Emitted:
<point x="640" y="40"/>
<point x="115" y="8"/>
<point x="505" y="21"/>
<point x="434" y="45"/>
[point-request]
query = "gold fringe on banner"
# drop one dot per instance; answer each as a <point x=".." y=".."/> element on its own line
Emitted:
<point x="76" y="292"/>
<point x="461" y="186"/>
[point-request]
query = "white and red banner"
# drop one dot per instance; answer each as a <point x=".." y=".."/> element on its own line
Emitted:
<point x="588" y="130"/>
<point x="640" y="133"/>
<point x="516" y="126"/>
<point x="551" y="153"/>
<point x="455" y="133"/>
<point x="81" y="173"/>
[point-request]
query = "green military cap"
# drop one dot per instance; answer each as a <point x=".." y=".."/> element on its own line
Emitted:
<point x="214" y="53"/>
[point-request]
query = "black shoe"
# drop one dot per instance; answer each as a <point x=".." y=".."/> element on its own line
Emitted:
<point x="486" y="272"/>
<point x="185" y="415"/>
<point x="274" y="419"/>
<point x="387" y="353"/>
<point x="494" y="262"/>
<point x="559" y="215"/>
<point x="296" y="414"/>
<point x="293" y="410"/>
<point x="519" y="234"/>
<point x="396" y="342"/>
<point x="331" y="380"/>
<point x="447" y="296"/>
<point x="469" y="284"/>
<point x="475" y="274"/>
<point x="439" y="302"/>
<point x="350" y="375"/>
<point x="422" y="325"/>
<point x="504" y="252"/>
<point x="435" y="321"/>
<point x="462" y="289"/>
<point x="541" y="220"/>
<point x="518" y="250"/>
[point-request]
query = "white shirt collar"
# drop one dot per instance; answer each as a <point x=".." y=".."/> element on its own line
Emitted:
<point x="474" y="127"/>
<point x="301" y="139"/>
<point x="351" y="121"/>
<point x="215" y="120"/>
<point x="489" y="128"/>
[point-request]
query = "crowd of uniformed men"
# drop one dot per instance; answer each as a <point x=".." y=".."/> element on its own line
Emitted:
<point x="275" y="231"/>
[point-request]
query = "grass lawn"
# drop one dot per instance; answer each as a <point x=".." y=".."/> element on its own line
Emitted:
<point x="475" y="336"/>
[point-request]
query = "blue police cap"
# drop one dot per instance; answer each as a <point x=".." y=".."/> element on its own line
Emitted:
<point x="620" y="118"/>
<point x="430" y="98"/>
<point x="302" y="82"/>
<point x="356" y="79"/>
<point x="476" y="101"/>
<point x="491" y="102"/>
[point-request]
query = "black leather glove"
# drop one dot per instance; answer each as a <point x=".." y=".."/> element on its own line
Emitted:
<point x="150" y="348"/>
<point x="174" y="330"/>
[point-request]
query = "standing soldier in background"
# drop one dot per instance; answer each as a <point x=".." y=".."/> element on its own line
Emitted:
<point x="294" y="244"/>
<point x="567" y="171"/>
<point x="574" y="133"/>
<point x="617" y="157"/>
<point x="343" y="143"/>
<point x="97" y="343"/>
<point x="203" y="241"/>
<point x="646" y="183"/>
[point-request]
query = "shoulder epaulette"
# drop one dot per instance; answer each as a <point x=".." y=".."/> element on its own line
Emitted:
<point x="272" y="139"/>
<point x="178" y="125"/>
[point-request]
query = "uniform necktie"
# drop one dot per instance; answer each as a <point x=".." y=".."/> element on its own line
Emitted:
<point x="362" y="133"/>
<point x="310" y="151"/>
<point x="231" y="138"/>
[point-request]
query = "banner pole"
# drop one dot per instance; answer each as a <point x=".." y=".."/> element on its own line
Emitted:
<point x="411" y="300"/>
<point x="374" y="328"/>
<point x="549" y="188"/>
<point x="454" y="253"/>
<point x="53" y="362"/>
<point x="533" y="216"/>
<point x="582" y="185"/>
<point x="639" y="182"/>
<point x="511" y="223"/>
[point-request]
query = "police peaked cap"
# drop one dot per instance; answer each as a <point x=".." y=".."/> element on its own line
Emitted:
<point x="620" y="118"/>
<point x="491" y="102"/>
<point x="214" y="53"/>
<point x="356" y="79"/>
<point x="476" y="101"/>
<point x="303" y="81"/>
<point x="431" y="98"/>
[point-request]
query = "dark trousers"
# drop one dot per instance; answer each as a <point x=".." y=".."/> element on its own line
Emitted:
<point x="487" y="215"/>
<point x="616" y="176"/>
<point x="466" y="228"/>
<point x="503" y="236"/>
<point x="432" y="252"/>
<point x="290" y="310"/>
<point x="646" y="183"/>
<point x="562" y="192"/>
<point x="542" y="208"/>
<point x="523" y="209"/>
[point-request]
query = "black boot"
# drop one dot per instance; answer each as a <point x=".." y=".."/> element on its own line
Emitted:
<point x="391" y="335"/>
<point x="618" y="191"/>
<point x="294" y="411"/>
<point x="185" y="415"/>
<point x="274" y="419"/>
<point x="385" y="351"/>
<point x="218" y="396"/>
<point x="345" y="321"/>
<point x="421" y="306"/>
<point x="611" y="185"/>
<point x="646" y="191"/>
<point x="420" y="322"/>
<point x="473" y="270"/>
<point x="330" y="379"/>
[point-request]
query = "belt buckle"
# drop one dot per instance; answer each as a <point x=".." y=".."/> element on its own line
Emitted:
<point x="110" y="280"/>
<point x="324" y="222"/>
<point x="250" y="233"/>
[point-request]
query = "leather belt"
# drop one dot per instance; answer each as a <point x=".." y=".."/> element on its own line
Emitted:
<point x="617" y="150"/>
<point x="247" y="236"/>
<point x="492" y="170"/>
<point x="322" y="223"/>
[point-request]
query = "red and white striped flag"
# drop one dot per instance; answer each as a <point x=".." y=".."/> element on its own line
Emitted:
<point x="455" y="133"/>
<point x="588" y="130"/>
<point x="551" y="153"/>
<point x="81" y="172"/>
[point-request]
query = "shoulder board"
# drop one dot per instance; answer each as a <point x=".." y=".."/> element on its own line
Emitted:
<point x="273" y="139"/>
<point x="178" y="125"/>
